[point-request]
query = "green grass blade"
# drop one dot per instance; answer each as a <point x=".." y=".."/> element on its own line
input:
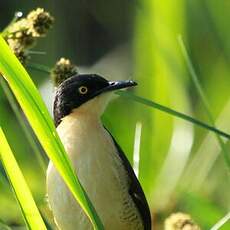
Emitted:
<point x="150" y="103"/>
<point x="29" y="209"/>
<point x="18" y="115"/>
<point x="38" y="67"/>
<point x="43" y="126"/>
<point x="3" y="226"/>
<point x="221" y="222"/>
<point x="203" y="97"/>
<point x="168" y="110"/>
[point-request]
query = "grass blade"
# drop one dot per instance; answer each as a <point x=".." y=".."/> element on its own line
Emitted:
<point x="211" y="146"/>
<point x="23" y="195"/>
<point x="221" y="222"/>
<point x="4" y="227"/>
<point x="136" y="148"/>
<point x="168" y="110"/>
<point x="39" y="67"/>
<point x="203" y="97"/>
<point x="18" y="115"/>
<point x="150" y="103"/>
<point x="43" y="126"/>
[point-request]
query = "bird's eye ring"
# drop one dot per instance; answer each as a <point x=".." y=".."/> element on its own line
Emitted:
<point x="83" y="90"/>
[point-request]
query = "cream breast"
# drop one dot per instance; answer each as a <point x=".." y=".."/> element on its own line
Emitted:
<point x="101" y="172"/>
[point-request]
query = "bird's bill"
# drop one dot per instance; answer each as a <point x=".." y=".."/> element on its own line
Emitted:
<point x="115" y="85"/>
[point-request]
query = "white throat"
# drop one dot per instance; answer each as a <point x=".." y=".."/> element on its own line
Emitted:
<point x="94" y="107"/>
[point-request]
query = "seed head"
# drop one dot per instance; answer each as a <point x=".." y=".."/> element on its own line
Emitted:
<point x="22" y="34"/>
<point x="21" y="54"/>
<point x="180" y="221"/>
<point x="62" y="70"/>
<point x="40" y="22"/>
<point x="19" y="32"/>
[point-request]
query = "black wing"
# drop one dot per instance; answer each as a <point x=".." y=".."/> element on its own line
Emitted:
<point x="135" y="189"/>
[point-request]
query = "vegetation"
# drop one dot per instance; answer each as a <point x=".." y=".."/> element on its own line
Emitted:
<point x="180" y="55"/>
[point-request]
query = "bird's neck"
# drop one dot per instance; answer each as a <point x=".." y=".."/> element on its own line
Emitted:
<point x="81" y="120"/>
<point x="79" y="134"/>
<point x="79" y="124"/>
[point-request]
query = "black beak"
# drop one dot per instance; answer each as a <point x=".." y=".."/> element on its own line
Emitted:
<point x="114" y="85"/>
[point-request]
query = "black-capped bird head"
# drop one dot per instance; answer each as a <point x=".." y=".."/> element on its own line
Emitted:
<point x="84" y="93"/>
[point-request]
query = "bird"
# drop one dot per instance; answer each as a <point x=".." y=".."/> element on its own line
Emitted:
<point x="99" y="162"/>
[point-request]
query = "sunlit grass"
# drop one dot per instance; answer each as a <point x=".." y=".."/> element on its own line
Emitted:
<point x="22" y="193"/>
<point x="172" y="112"/>
<point x="43" y="126"/>
<point x="203" y="98"/>
<point x="178" y="158"/>
<point x="221" y="222"/>
<point x="18" y="114"/>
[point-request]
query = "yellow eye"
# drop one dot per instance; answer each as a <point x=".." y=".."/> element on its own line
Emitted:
<point x="83" y="90"/>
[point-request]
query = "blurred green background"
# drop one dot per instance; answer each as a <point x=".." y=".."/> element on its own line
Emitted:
<point x="181" y="167"/>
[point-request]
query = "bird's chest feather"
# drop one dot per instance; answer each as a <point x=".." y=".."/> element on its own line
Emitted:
<point x="101" y="173"/>
<point x="92" y="153"/>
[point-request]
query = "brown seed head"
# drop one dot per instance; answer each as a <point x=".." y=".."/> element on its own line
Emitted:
<point x="180" y="221"/>
<point x="21" y="54"/>
<point x="62" y="70"/>
<point x="40" y="22"/>
<point x="19" y="32"/>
